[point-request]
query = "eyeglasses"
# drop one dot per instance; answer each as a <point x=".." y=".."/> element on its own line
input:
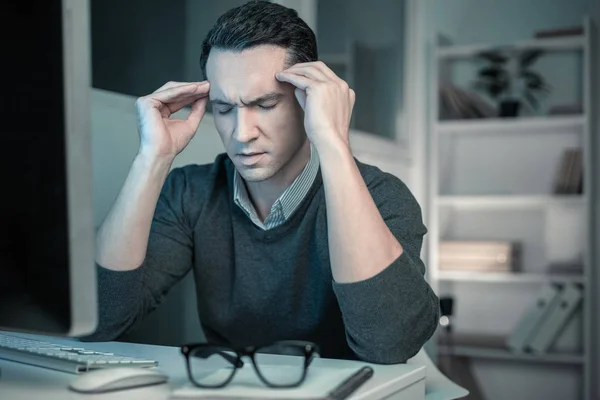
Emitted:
<point x="223" y="362"/>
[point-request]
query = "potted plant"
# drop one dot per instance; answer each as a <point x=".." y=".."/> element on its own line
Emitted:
<point x="509" y="80"/>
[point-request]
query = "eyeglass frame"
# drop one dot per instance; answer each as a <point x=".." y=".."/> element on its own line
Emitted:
<point x="311" y="351"/>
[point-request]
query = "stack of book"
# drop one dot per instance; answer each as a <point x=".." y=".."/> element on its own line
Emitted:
<point x="481" y="256"/>
<point x="541" y="325"/>
<point x="569" y="177"/>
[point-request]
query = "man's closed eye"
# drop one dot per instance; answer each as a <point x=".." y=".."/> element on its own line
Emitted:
<point x="227" y="110"/>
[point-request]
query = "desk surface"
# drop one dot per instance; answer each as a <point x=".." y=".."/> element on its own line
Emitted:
<point x="25" y="382"/>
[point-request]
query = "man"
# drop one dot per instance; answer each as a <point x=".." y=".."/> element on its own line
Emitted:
<point x="288" y="236"/>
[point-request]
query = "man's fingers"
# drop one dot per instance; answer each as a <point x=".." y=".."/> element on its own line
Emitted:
<point x="310" y="71"/>
<point x="173" y="84"/>
<point x="301" y="82"/>
<point x="173" y="96"/>
<point x="321" y="67"/>
<point x="166" y="110"/>
<point x="178" y="94"/>
<point x="301" y="97"/>
<point x="198" y="109"/>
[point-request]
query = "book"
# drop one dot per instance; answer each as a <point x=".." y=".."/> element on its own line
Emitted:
<point x="563" y="185"/>
<point x="576" y="173"/>
<point x="492" y="256"/>
<point x="569" y="176"/>
<point x="554" y="322"/>
<point x="529" y="323"/>
<point x="559" y="32"/>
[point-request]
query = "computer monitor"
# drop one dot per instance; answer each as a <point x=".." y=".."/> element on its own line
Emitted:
<point x="47" y="270"/>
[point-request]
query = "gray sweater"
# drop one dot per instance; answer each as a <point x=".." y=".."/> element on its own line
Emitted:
<point x="256" y="286"/>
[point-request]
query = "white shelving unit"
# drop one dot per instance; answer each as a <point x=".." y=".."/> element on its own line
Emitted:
<point x="496" y="125"/>
<point x="505" y="355"/>
<point x="509" y="277"/>
<point x="507" y="201"/>
<point x="521" y="211"/>
<point x="557" y="44"/>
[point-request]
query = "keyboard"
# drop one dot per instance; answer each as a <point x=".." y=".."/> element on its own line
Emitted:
<point x="63" y="358"/>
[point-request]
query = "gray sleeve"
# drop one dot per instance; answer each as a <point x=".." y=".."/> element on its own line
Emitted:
<point x="390" y="316"/>
<point x="125" y="297"/>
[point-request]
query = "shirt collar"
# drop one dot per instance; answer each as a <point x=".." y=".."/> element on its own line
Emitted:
<point x="289" y="200"/>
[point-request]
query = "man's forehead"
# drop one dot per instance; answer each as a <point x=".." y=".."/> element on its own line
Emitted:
<point x="249" y="73"/>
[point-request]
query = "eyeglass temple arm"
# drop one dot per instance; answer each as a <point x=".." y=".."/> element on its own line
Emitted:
<point x="314" y="355"/>
<point x="233" y="360"/>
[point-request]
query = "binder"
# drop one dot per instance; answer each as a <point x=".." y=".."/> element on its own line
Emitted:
<point x="530" y="321"/>
<point x="556" y="320"/>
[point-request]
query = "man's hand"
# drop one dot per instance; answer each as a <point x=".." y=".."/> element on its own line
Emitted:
<point x="327" y="102"/>
<point x="160" y="135"/>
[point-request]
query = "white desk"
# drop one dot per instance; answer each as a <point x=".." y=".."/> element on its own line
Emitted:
<point x="24" y="382"/>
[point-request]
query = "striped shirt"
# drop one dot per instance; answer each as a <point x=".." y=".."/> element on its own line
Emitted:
<point x="286" y="204"/>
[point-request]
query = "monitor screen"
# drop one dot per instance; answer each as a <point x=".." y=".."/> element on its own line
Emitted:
<point x="35" y="255"/>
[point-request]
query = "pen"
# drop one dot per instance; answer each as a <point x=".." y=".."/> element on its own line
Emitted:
<point x="348" y="386"/>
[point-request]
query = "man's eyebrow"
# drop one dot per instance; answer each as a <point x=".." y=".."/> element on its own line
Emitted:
<point x="219" y="101"/>
<point x="262" y="99"/>
<point x="274" y="96"/>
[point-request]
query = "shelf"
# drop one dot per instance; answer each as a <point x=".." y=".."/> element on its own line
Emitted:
<point x="548" y="45"/>
<point x="508" y="277"/>
<point x="517" y="125"/>
<point x="505" y="354"/>
<point x="494" y="347"/>
<point x="510" y="201"/>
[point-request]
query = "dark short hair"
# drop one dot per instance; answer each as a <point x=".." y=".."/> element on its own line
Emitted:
<point x="260" y="22"/>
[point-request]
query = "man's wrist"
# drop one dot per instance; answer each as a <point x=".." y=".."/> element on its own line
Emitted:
<point x="334" y="150"/>
<point x="157" y="166"/>
<point x="150" y="158"/>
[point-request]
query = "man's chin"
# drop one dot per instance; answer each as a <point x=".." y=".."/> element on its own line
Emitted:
<point x="255" y="174"/>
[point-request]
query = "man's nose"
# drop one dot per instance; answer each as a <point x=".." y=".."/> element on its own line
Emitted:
<point x="245" y="128"/>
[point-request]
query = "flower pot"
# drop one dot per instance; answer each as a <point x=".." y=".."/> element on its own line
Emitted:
<point x="509" y="108"/>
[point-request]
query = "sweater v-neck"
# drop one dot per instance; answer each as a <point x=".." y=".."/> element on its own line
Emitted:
<point x="279" y="231"/>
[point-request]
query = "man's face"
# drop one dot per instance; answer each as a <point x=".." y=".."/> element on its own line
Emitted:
<point x="258" y="118"/>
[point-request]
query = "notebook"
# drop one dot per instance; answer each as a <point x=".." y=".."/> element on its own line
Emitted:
<point x="247" y="385"/>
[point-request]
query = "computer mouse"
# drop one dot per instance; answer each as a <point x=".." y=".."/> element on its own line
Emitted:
<point x="118" y="378"/>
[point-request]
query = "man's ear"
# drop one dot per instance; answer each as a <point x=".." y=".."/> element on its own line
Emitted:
<point x="301" y="97"/>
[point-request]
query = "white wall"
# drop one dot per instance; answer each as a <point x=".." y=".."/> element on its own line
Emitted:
<point x="378" y="26"/>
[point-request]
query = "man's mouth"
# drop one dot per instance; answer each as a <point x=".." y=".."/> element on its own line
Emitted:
<point x="250" y="158"/>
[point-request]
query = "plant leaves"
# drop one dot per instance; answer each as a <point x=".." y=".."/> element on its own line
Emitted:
<point x="531" y="99"/>
<point x="496" y="89"/>
<point x="534" y="81"/>
<point x="490" y="72"/>
<point x="529" y="57"/>
<point x="494" y="56"/>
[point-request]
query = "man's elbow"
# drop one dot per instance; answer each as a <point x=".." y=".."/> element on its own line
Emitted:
<point x="403" y="343"/>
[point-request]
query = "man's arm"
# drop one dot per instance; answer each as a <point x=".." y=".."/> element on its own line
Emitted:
<point x="143" y="247"/>
<point x="122" y="239"/>
<point x="126" y="296"/>
<point x="389" y="309"/>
